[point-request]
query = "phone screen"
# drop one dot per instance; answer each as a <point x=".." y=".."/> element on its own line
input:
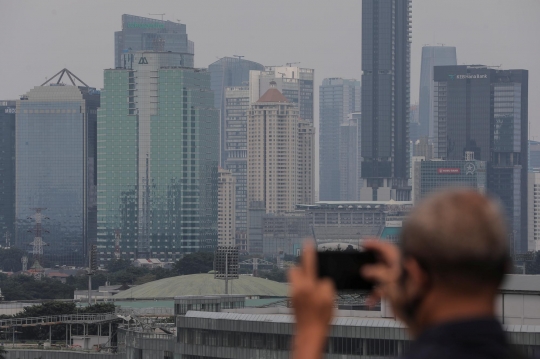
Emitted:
<point x="343" y="268"/>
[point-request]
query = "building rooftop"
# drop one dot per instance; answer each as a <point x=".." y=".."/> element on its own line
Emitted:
<point x="202" y="285"/>
<point x="272" y="95"/>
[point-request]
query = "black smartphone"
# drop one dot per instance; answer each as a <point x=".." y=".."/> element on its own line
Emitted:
<point x="343" y="268"/>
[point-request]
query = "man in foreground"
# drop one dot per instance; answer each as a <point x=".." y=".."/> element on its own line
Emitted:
<point x="441" y="282"/>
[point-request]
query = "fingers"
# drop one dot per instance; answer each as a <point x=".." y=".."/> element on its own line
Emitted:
<point x="309" y="261"/>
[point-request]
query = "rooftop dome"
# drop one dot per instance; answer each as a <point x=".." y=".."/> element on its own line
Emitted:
<point x="204" y="284"/>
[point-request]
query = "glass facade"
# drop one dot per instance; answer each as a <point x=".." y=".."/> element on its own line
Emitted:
<point x="485" y="111"/>
<point x="158" y="161"/>
<point x="337" y="99"/>
<point x="236" y="107"/>
<point x="7" y="172"/>
<point x="140" y="33"/>
<point x="386" y="42"/>
<point x="228" y="72"/>
<point x="431" y="56"/>
<point x="56" y="168"/>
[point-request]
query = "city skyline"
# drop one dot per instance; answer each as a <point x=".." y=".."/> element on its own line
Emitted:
<point x="92" y="52"/>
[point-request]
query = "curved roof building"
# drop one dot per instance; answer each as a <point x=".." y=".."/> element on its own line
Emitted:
<point x="204" y="284"/>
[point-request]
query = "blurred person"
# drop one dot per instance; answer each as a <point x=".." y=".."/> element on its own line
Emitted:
<point x="441" y="281"/>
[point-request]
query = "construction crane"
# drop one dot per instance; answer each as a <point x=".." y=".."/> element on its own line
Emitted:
<point x="289" y="64"/>
<point x="158" y="15"/>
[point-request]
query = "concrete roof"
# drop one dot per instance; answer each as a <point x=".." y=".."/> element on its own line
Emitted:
<point x="521" y="283"/>
<point x="204" y="284"/>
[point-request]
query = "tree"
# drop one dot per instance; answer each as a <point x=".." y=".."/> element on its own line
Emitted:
<point x="199" y="262"/>
<point x="10" y="259"/>
<point x="118" y="265"/>
<point x="276" y="274"/>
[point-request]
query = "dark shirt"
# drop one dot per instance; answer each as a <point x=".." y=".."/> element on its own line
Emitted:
<point x="481" y="338"/>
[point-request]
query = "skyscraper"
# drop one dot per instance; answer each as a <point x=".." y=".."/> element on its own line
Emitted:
<point x="337" y="99"/>
<point x="144" y="34"/>
<point x="157" y="160"/>
<point x="350" y="158"/>
<point x="228" y="72"/>
<point x="236" y="108"/>
<point x="56" y="166"/>
<point x="431" y="56"/>
<point x="7" y="172"/>
<point x="295" y="83"/>
<point x="278" y="143"/>
<point x="386" y="43"/>
<point x="484" y="112"/>
<point x="226" y="208"/>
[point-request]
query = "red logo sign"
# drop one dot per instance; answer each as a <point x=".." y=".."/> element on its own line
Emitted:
<point x="448" y="171"/>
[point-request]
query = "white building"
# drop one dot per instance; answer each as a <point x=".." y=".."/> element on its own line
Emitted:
<point x="226" y="208"/>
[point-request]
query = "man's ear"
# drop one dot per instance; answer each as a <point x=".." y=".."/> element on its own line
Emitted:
<point x="417" y="278"/>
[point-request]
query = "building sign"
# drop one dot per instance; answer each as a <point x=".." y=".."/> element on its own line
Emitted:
<point x="143" y="61"/>
<point x="140" y="25"/>
<point x="448" y="171"/>
<point x="468" y="76"/>
<point x="470" y="168"/>
<point x="9" y="110"/>
<point x="394" y="224"/>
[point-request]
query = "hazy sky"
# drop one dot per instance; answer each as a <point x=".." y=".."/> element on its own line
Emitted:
<point x="38" y="38"/>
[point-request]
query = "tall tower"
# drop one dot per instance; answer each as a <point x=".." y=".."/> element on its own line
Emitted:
<point x="431" y="56"/>
<point x="7" y="169"/>
<point x="226" y="208"/>
<point x="144" y="34"/>
<point x="56" y="155"/>
<point x="278" y="143"/>
<point x="386" y="43"/>
<point x="337" y="99"/>
<point x="157" y="159"/>
<point x="228" y="72"/>
<point x="482" y="112"/>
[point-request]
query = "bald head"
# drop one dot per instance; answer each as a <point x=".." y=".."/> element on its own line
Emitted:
<point x="458" y="236"/>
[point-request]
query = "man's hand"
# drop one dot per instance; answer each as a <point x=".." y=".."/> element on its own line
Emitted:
<point x="386" y="273"/>
<point x="313" y="302"/>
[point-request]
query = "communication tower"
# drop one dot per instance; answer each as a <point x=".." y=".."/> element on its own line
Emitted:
<point x="38" y="243"/>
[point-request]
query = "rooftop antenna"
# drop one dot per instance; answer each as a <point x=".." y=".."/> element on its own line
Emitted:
<point x="158" y="15"/>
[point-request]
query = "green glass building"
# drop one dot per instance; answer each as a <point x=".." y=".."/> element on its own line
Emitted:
<point x="158" y="151"/>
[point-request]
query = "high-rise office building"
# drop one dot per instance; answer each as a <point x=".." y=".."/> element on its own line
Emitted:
<point x="158" y="135"/>
<point x="295" y="83"/>
<point x="7" y="172"/>
<point x="386" y="44"/>
<point x="337" y="99"/>
<point x="533" y="211"/>
<point x="228" y="72"/>
<point x="432" y="176"/>
<point x="277" y="146"/>
<point x="484" y="111"/>
<point x="534" y="155"/>
<point x="144" y="34"/>
<point x="226" y="208"/>
<point x="350" y="158"/>
<point x="431" y="56"/>
<point x="236" y="107"/>
<point x="56" y="166"/>
<point x="414" y="123"/>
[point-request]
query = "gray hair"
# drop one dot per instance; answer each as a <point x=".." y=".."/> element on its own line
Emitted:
<point x="459" y="236"/>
